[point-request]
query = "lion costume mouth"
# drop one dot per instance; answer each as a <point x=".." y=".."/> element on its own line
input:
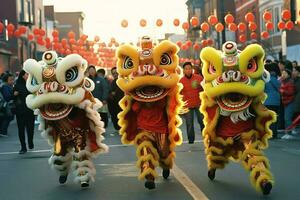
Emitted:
<point x="234" y="102"/>
<point x="149" y="93"/>
<point x="55" y="111"/>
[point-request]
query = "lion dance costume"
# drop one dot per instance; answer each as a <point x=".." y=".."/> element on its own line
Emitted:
<point x="236" y="121"/>
<point x="149" y="117"/>
<point x="67" y="112"/>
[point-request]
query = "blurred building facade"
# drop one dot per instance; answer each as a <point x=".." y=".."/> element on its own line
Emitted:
<point x="14" y="51"/>
<point x="69" y="21"/>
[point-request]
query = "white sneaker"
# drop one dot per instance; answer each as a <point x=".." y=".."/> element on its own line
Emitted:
<point x="285" y="136"/>
<point x="294" y="132"/>
<point x="290" y="137"/>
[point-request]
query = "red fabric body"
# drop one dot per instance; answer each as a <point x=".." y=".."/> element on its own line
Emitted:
<point x="151" y="116"/>
<point x="226" y="128"/>
<point x="191" y="93"/>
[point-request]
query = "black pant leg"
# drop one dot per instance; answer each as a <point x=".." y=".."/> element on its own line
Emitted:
<point x="30" y="129"/>
<point x="21" y="130"/>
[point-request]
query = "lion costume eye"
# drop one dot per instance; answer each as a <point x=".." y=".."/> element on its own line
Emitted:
<point x="128" y="63"/>
<point x="165" y="59"/>
<point x="252" y="66"/>
<point x="71" y="74"/>
<point x="212" y="69"/>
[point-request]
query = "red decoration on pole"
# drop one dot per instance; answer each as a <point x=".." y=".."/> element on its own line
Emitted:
<point x="196" y="46"/>
<point x="253" y="36"/>
<point x="252" y="26"/>
<point x="267" y="16"/>
<point x="143" y="22"/>
<point x="55" y="33"/>
<point x="159" y="22"/>
<point x="212" y="19"/>
<point x="71" y="35"/>
<point x="289" y="25"/>
<point x="204" y="26"/>
<point x="176" y="22"/>
<point x="286" y="15"/>
<point x="10" y="27"/>
<point x="269" y="26"/>
<point x="242" y="27"/>
<point x="281" y="25"/>
<point x="232" y="27"/>
<point x="219" y="27"/>
<point x="194" y="21"/>
<point x="242" y="38"/>
<point x="30" y="37"/>
<point x="265" y="35"/>
<point x="229" y="18"/>
<point x="124" y="23"/>
<point x="185" y="26"/>
<point x="249" y="17"/>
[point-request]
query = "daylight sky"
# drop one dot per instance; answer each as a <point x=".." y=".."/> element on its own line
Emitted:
<point x="103" y="17"/>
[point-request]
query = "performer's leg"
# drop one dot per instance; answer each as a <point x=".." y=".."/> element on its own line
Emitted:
<point x="61" y="160"/>
<point x="217" y="154"/>
<point x="83" y="166"/>
<point x="254" y="160"/>
<point x="147" y="158"/>
<point x="189" y="120"/>
<point x="165" y="155"/>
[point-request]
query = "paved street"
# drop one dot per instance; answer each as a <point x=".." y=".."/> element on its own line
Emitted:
<point x="29" y="177"/>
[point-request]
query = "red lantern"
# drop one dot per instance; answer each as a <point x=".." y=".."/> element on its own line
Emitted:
<point x="184" y="47"/>
<point x="232" y="27"/>
<point x="229" y="18"/>
<point x="176" y="22"/>
<point x="253" y="36"/>
<point x="209" y="42"/>
<point x="124" y="23"/>
<point x="281" y="25"/>
<point x="185" y="26"/>
<point x="55" y="39"/>
<point x="204" y="27"/>
<point x="48" y="45"/>
<point x="212" y="19"/>
<point x="289" y="25"/>
<point x="267" y="16"/>
<point x="72" y="41"/>
<point x="143" y="22"/>
<point x="159" y="22"/>
<point x="55" y="33"/>
<point x="179" y="44"/>
<point x="196" y="46"/>
<point x="71" y="35"/>
<point x="242" y="27"/>
<point x="97" y="38"/>
<point x="265" y="35"/>
<point x="269" y="26"/>
<point x="204" y="43"/>
<point x="30" y="37"/>
<point x="10" y="28"/>
<point x="47" y="40"/>
<point x="22" y="29"/>
<point x="197" y="62"/>
<point x="36" y="31"/>
<point x="42" y="32"/>
<point x="219" y="27"/>
<point x="1" y="27"/>
<point x="64" y="42"/>
<point x="194" y="21"/>
<point x="242" y="38"/>
<point x="17" y="33"/>
<point x="189" y="43"/>
<point x="252" y="26"/>
<point x="249" y="17"/>
<point x="286" y="15"/>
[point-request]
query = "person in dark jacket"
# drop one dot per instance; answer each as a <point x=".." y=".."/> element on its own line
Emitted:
<point x="25" y="116"/>
<point x="287" y="90"/>
<point x="273" y="95"/>
<point x="115" y="95"/>
<point x="7" y="94"/>
<point x="100" y="91"/>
